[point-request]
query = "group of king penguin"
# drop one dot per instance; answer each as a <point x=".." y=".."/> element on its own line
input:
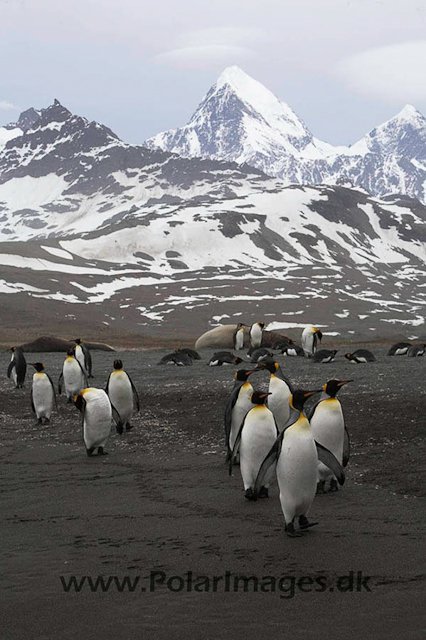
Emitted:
<point x="98" y="406"/>
<point x="269" y="433"/>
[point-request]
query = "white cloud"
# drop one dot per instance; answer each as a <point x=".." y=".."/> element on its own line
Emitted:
<point x="224" y="45"/>
<point x="7" y="106"/>
<point x="395" y="73"/>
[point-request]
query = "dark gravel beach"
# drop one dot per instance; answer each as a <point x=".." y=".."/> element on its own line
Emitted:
<point x="161" y="504"/>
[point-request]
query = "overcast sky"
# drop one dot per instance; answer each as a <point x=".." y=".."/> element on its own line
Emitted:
<point x="141" y="67"/>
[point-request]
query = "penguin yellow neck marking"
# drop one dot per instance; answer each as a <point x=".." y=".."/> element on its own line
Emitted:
<point x="39" y="373"/>
<point x="259" y="406"/>
<point x="301" y="424"/>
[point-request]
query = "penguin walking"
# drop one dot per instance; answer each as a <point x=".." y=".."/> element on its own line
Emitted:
<point x="280" y="390"/>
<point x="416" y="350"/>
<point x="296" y="455"/>
<point x="256" y="331"/>
<point x="399" y="349"/>
<point x="255" y="438"/>
<point x="43" y="395"/>
<point x="123" y="396"/>
<point x="360" y="356"/>
<point x="310" y="337"/>
<point x="238" y="337"/>
<point x="73" y="377"/>
<point x="328" y="428"/>
<point x="237" y="406"/>
<point x="97" y="412"/>
<point x="324" y="355"/>
<point x="83" y="355"/>
<point x="17" y="367"/>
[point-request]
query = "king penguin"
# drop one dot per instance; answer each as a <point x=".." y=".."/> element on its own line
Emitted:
<point x="237" y="406"/>
<point x="123" y="395"/>
<point x="296" y="455"/>
<point x="97" y="412"/>
<point x="42" y="393"/>
<point x="73" y="377"/>
<point x="83" y="355"/>
<point x="310" y="337"/>
<point x="328" y="428"/>
<point x="256" y="331"/>
<point x="255" y="438"/>
<point x="17" y="367"/>
<point x="238" y="338"/>
<point x="280" y="390"/>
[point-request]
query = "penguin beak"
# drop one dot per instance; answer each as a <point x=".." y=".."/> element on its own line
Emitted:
<point x="340" y="384"/>
<point x="265" y="395"/>
<point x="308" y="394"/>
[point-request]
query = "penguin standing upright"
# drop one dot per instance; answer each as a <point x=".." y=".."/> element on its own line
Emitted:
<point x="17" y="367"/>
<point x="310" y="337"/>
<point x="256" y="331"/>
<point x="42" y="393"/>
<point x="83" y="355"/>
<point x="238" y="338"/>
<point x="73" y="377"/>
<point x="296" y="455"/>
<point x="280" y="390"/>
<point x="237" y="406"/>
<point x="328" y="428"/>
<point x="97" y="412"/>
<point x="255" y="438"/>
<point x="123" y="395"/>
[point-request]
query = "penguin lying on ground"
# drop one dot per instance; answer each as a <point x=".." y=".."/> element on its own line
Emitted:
<point x="178" y="357"/>
<point x="293" y="350"/>
<point x="97" y="412"/>
<point x="224" y="358"/>
<point x="328" y="428"/>
<point x="399" y="349"/>
<point x="255" y="438"/>
<point x="324" y="355"/>
<point x="17" y="367"/>
<point x="359" y="356"/>
<point x="416" y="350"/>
<point x="43" y="395"/>
<point x="296" y="455"/>
<point x="191" y="352"/>
<point x="237" y="406"/>
<point x="257" y="355"/>
<point x="123" y="395"/>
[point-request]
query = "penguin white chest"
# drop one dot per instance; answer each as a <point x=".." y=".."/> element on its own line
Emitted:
<point x="239" y="340"/>
<point x="43" y="395"/>
<point x="257" y="437"/>
<point x="121" y="394"/>
<point x="278" y="401"/>
<point x="256" y="336"/>
<point x="73" y="377"/>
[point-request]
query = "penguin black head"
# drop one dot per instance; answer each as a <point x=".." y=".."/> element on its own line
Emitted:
<point x="259" y="397"/>
<point x="243" y="374"/>
<point x="79" y="402"/>
<point x="38" y="366"/>
<point x="118" y="364"/>
<point x="348" y="356"/>
<point x="270" y="365"/>
<point x="261" y="324"/>
<point x="239" y="325"/>
<point x="299" y="397"/>
<point x="71" y="353"/>
<point x="78" y="340"/>
<point x="331" y="387"/>
<point x="13" y="348"/>
<point x="238" y="360"/>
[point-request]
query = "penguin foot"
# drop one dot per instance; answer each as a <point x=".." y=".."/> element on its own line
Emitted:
<point x="119" y="428"/>
<point x="101" y="452"/>
<point x="40" y="421"/>
<point x="291" y="531"/>
<point x="128" y="426"/>
<point x="263" y="492"/>
<point x="90" y="451"/>
<point x="333" y="485"/>
<point x="250" y="495"/>
<point x="305" y="524"/>
<point x="320" y="487"/>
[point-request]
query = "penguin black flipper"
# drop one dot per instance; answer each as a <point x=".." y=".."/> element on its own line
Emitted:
<point x="310" y="412"/>
<point x="107" y="386"/>
<point x="84" y="373"/>
<point x="346" y="448"/>
<point x="87" y="359"/>
<point x="135" y="394"/>
<point x="236" y="448"/>
<point x="60" y="381"/>
<point x="12" y="364"/>
<point x="32" y="402"/>
<point x="54" y="390"/>
<point x="270" y="459"/>
<point x="326" y="457"/>
<point x="117" y="419"/>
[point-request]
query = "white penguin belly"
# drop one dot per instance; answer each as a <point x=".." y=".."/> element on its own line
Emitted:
<point x="257" y="437"/>
<point x="73" y="378"/>
<point x="328" y="428"/>
<point x="43" y="395"/>
<point x="278" y="402"/>
<point x="256" y="336"/>
<point x="97" y="418"/>
<point x="240" y="410"/>
<point x="121" y="395"/>
<point x="239" y="340"/>
<point x="297" y="472"/>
